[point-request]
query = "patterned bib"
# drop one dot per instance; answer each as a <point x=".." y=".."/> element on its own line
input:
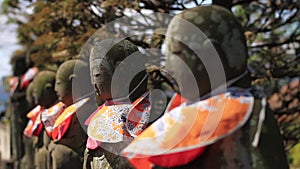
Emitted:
<point x="111" y="123"/>
<point x="28" y="76"/>
<point x="182" y="133"/>
<point x="34" y="125"/>
<point x="63" y="121"/>
<point x="49" y="116"/>
<point x="57" y="119"/>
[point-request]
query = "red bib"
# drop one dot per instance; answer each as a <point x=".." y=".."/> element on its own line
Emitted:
<point x="63" y="122"/>
<point x="34" y="125"/>
<point x="28" y="76"/>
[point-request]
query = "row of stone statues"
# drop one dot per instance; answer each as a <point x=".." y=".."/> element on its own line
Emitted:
<point x="86" y="115"/>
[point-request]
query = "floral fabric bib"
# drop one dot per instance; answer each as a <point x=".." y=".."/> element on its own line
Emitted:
<point x="182" y="133"/>
<point x="49" y="116"/>
<point x="63" y="122"/>
<point x="111" y="123"/>
<point x="34" y="125"/>
<point x="28" y="76"/>
<point x="57" y="119"/>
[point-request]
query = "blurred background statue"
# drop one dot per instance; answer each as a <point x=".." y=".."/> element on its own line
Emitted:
<point x="44" y="96"/>
<point x="18" y="108"/>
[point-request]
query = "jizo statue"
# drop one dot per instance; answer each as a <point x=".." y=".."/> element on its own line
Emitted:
<point x="18" y="109"/>
<point x="104" y="61"/>
<point x="68" y="151"/>
<point x="226" y="35"/>
<point x="44" y="95"/>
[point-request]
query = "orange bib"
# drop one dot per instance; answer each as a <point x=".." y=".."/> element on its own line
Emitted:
<point x="63" y="122"/>
<point x="57" y="119"/>
<point x="28" y="76"/>
<point x="34" y="125"/>
<point x="181" y="134"/>
<point x="49" y="116"/>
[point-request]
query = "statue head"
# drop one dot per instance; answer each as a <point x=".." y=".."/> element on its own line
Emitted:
<point x="104" y="59"/>
<point x="72" y="81"/>
<point x="18" y="62"/>
<point x="220" y="30"/>
<point x="43" y="89"/>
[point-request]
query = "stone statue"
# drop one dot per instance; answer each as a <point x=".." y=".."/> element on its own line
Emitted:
<point x="45" y="96"/>
<point x="68" y="151"/>
<point x="18" y="109"/>
<point x="104" y="60"/>
<point x="226" y="35"/>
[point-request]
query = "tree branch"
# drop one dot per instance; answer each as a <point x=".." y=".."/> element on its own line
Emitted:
<point x="270" y="45"/>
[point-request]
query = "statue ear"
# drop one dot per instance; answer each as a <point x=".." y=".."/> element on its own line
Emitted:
<point x="72" y="76"/>
<point x="48" y="86"/>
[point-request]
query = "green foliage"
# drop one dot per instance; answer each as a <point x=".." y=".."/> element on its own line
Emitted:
<point x="294" y="157"/>
<point x="272" y="30"/>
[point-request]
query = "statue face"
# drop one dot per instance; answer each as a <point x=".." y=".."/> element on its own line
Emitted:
<point x="43" y="89"/>
<point x="63" y="89"/>
<point x="63" y="85"/>
<point x="105" y="57"/>
<point x="186" y="68"/>
<point x="72" y="81"/>
<point x="44" y="97"/>
<point x="101" y="80"/>
<point x="216" y="39"/>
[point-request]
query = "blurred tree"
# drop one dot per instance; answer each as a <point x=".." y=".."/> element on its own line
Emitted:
<point x="273" y="34"/>
<point x="60" y="28"/>
<point x="272" y="30"/>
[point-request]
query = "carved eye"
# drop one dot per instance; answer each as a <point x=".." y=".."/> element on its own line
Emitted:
<point x="177" y="52"/>
<point x="58" y="82"/>
<point x="97" y="75"/>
